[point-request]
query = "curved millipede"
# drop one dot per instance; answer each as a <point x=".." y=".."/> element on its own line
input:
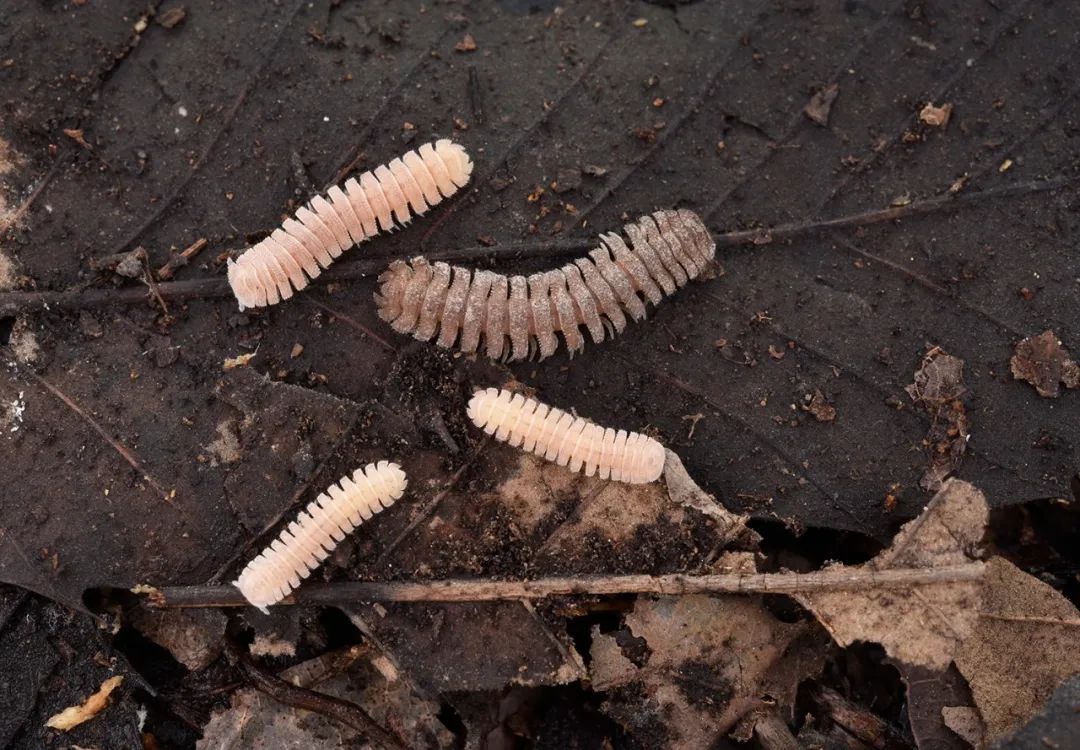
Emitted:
<point x="667" y="249"/>
<point x="561" y="437"/>
<point x="302" y="247"/>
<point x="319" y="528"/>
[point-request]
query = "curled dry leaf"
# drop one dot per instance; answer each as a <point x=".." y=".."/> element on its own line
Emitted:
<point x="921" y="625"/>
<point x="1042" y="361"/>
<point x="939" y="388"/>
<point x="1022" y="649"/>
<point x="73" y="716"/>
<point x="683" y="490"/>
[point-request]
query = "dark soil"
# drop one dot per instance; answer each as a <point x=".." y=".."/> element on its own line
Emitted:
<point x="139" y="459"/>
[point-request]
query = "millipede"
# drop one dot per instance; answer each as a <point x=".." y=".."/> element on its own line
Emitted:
<point x="571" y="441"/>
<point x="377" y="201"/>
<point x="318" y="529"/>
<point x="517" y="316"/>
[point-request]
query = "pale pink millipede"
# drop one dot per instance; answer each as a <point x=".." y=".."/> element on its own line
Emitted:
<point x="307" y="541"/>
<point x="565" y="439"/>
<point x="667" y="249"/>
<point x="302" y="247"/>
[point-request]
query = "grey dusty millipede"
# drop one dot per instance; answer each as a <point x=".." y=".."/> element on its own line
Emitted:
<point x="567" y="440"/>
<point x="378" y="200"/>
<point x="518" y="315"/>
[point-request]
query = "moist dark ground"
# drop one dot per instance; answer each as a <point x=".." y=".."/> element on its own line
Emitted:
<point x="217" y="125"/>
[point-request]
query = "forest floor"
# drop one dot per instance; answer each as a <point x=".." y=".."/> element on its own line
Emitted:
<point x="894" y="191"/>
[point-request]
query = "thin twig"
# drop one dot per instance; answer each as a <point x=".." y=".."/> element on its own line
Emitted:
<point x="19" y="212"/>
<point x="342" y="711"/>
<point x="177" y="262"/>
<point x="352" y="323"/>
<point x="126" y="454"/>
<point x="12" y="303"/>
<point x="471" y="590"/>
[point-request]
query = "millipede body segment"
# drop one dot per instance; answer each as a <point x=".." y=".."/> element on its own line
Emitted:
<point x="308" y="540"/>
<point x="570" y="441"/>
<point x="379" y="200"/>
<point x="517" y="315"/>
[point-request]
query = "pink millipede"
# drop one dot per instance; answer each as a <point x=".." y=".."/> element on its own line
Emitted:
<point x="302" y="247"/>
<point x="565" y="439"/>
<point x="667" y="249"/>
<point x="307" y="541"/>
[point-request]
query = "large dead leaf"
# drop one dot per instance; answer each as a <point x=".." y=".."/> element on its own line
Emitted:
<point x="921" y="625"/>
<point x="1023" y="646"/>
<point x="690" y="667"/>
<point x="523" y="517"/>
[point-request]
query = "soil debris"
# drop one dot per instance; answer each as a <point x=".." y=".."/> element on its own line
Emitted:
<point x="172" y="17"/>
<point x="467" y="44"/>
<point x="937" y="117"/>
<point x="1042" y="361"/>
<point x="939" y="388"/>
<point x="820" y="105"/>
<point x="820" y="408"/>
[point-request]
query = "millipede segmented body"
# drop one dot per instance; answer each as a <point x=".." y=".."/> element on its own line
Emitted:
<point x="308" y="540"/>
<point x="570" y="441"/>
<point x="379" y="200"/>
<point x="517" y="315"/>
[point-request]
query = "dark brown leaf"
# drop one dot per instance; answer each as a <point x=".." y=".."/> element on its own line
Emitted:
<point x="1042" y="361"/>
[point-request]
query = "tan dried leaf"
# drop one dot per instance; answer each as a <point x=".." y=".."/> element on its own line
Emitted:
<point x="966" y="723"/>
<point x="1022" y="649"/>
<point x="922" y="625"/>
<point x="685" y="491"/>
<point x="73" y="716"/>
<point x="709" y="663"/>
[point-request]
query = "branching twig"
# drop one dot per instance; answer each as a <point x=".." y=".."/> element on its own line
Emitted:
<point x="339" y="710"/>
<point x="18" y="302"/>
<point x="469" y="590"/>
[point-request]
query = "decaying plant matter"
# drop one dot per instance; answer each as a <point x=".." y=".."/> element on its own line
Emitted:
<point x="379" y="200"/>
<point x="517" y="315"/>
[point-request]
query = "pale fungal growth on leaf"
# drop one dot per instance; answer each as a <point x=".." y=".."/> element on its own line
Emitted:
<point x="377" y="201"/>
<point x="307" y="541"/>
<point x="567" y="440"/>
<point x="519" y="315"/>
